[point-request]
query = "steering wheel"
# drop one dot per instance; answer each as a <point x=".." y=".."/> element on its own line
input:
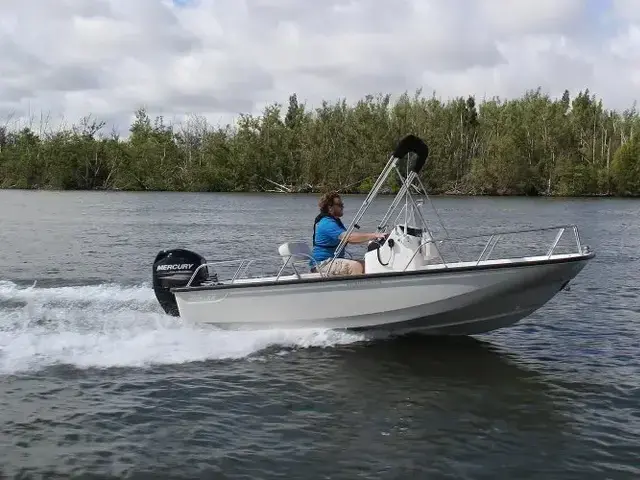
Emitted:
<point x="376" y="244"/>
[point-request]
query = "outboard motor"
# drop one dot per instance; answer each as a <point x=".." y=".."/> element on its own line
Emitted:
<point x="174" y="268"/>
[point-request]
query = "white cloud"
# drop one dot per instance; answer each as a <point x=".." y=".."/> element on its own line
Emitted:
<point x="627" y="9"/>
<point x="223" y="57"/>
<point x="516" y="18"/>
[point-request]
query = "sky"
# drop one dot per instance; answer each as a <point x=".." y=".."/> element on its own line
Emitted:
<point x="66" y="59"/>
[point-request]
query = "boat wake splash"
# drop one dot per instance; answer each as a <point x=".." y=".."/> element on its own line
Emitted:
<point x="108" y="325"/>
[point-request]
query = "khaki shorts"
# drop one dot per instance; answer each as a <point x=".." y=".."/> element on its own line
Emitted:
<point x="340" y="266"/>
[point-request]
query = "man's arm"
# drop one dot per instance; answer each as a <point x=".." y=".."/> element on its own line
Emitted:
<point x="357" y="237"/>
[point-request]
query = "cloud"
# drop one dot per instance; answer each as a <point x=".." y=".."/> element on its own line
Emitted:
<point x="626" y="9"/>
<point x="514" y="19"/>
<point x="219" y="58"/>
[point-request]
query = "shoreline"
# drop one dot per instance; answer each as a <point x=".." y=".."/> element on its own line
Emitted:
<point x="318" y="193"/>
<point x="533" y="145"/>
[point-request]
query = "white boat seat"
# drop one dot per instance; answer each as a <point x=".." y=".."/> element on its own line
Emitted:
<point x="292" y="251"/>
<point x="297" y="250"/>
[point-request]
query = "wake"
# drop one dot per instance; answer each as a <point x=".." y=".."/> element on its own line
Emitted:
<point x="109" y="325"/>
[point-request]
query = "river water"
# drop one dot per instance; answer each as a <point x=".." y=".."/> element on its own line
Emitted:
<point x="95" y="382"/>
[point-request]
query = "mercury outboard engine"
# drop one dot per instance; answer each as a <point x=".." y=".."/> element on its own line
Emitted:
<point x="174" y="268"/>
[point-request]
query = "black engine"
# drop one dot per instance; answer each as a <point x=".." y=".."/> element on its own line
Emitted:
<point x="174" y="268"/>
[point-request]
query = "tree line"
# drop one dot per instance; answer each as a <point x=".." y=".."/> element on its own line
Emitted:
<point x="533" y="145"/>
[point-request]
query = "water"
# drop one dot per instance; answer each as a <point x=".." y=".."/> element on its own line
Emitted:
<point x="96" y="382"/>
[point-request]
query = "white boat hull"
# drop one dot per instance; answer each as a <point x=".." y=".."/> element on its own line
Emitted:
<point x="462" y="300"/>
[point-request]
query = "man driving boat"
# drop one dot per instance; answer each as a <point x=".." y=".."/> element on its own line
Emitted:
<point x="328" y="231"/>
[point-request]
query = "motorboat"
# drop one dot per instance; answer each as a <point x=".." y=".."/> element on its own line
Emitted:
<point x="410" y="281"/>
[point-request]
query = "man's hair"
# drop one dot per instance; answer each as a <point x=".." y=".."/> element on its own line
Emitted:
<point x="327" y="200"/>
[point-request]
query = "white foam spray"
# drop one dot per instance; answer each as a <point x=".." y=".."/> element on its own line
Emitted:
<point x="115" y="326"/>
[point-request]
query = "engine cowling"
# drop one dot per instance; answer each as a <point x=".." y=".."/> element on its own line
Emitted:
<point x="173" y="268"/>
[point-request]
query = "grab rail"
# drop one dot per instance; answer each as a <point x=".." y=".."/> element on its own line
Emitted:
<point x="497" y="236"/>
<point x="244" y="265"/>
<point x="493" y="239"/>
<point x="243" y="262"/>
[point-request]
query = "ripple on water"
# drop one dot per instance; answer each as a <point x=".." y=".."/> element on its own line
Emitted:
<point x="96" y="380"/>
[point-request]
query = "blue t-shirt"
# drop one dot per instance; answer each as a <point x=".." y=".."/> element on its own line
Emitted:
<point x="327" y="239"/>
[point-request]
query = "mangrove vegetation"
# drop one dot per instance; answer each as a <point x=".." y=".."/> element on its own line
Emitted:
<point x="533" y="145"/>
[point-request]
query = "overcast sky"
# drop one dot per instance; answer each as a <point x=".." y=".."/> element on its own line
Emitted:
<point x="70" y="58"/>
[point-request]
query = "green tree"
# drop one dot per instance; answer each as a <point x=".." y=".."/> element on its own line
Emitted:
<point x="532" y="145"/>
